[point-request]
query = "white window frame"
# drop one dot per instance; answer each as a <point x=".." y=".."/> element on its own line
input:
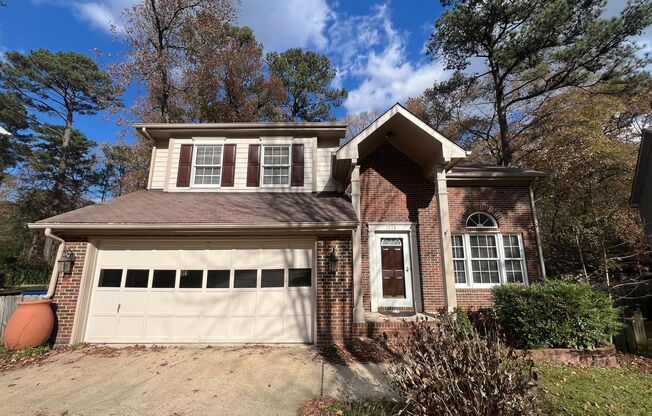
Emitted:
<point x="482" y="227"/>
<point x="263" y="165"/>
<point x="195" y="166"/>
<point x="502" y="274"/>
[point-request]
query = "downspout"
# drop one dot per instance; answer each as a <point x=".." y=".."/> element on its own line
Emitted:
<point x="144" y="132"/>
<point x="536" y="234"/>
<point x="55" y="270"/>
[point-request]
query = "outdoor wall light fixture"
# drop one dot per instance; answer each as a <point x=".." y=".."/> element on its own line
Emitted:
<point x="64" y="263"/>
<point x="389" y="136"/>
<point x="332" y="261"/>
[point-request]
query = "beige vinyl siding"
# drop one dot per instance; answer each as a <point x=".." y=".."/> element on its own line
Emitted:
<point x="160" y="163"/>
<point x="324" y="181"/>
<point x="240" y="177"/>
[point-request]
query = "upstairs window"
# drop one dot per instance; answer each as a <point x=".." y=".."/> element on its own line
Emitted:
<point x="481" y="220"/>
<point x="276" y="165"/>
<point x="208" y="165"/>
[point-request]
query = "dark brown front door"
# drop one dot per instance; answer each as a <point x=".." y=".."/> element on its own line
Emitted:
<point x="393" y="269"/>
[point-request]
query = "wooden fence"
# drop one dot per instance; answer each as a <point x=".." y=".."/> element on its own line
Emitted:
<point x="8" y="306"/>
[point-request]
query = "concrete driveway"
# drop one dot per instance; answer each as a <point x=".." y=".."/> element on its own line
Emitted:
<point x="182" y="381"/>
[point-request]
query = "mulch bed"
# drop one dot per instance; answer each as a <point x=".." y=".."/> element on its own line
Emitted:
<point x="635" y="362"/>
<point x="358" y="350"/>
<point x="314" y="407"/>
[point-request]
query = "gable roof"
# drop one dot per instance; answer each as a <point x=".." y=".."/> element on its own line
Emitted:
<point x="351" y="150"/>
<point x="158" y="210"/>
<point x="642" y="167"/>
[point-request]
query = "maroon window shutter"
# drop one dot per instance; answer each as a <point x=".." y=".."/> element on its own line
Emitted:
<point x="228" y="165"/>
<point x="297" y="165"/>
<point x="253" y="167"/>
<point x="185" y="166"/>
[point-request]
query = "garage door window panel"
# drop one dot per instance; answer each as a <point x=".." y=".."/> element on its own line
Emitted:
<point x="245" y="279"/>
<point x="110" y="278"/>
<point x="300" y="278"/>
<point x="191" y="279"/>
<point x="164" y="279"/>
<point x="218" y="279"/>
<point x="272" y="278"/>
<point x="137" y="278"/>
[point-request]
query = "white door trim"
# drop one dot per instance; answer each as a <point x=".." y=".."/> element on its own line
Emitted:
<point x="406" y="230"/>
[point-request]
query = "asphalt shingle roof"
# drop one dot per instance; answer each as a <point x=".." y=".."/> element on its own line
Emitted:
<point x="227" y="208"/>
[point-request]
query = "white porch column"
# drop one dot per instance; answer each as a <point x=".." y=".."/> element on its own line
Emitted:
<point x="358" y="304"/>
<point x="446" y="245"/>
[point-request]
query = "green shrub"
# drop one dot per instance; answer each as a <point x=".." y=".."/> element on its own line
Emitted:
<point x="555" y="314"/>
<point x="446" y="371"/>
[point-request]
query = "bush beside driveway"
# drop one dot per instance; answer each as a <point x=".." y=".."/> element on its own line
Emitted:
<point x="183" y="381"/>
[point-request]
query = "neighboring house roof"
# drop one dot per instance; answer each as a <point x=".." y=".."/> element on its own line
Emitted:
<point x="163" y="131"/>
<point x="206" y="210"/>
<point x="642" y="166"/>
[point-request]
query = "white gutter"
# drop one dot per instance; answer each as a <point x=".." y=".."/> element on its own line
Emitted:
<point x="55" y="270"/>
<point x="195" y="226"/>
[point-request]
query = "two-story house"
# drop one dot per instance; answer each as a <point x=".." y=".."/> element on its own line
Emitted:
<point x="273" y="232"/>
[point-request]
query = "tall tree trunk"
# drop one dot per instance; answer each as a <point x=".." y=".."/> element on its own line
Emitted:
<point x="505" y="158"/>
<point x="57" y="196"/>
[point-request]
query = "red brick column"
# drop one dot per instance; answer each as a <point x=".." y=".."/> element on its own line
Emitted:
<point x="65" y="296"/>
<point x="334" y="290"/>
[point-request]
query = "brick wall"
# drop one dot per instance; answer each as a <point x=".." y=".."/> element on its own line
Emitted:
<point x="334" y="290"/>
<point x="511" y="207"/>
<point x="65" y="296"/>
<point x="393" y="189"/>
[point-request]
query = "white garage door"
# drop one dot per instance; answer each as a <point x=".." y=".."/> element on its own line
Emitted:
<point x="202" y="292"/>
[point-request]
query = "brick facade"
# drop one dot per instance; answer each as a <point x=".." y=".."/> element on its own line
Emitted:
<point x="393" y="189"/>
<point x="513" y="211"/>
<point x="66" y="294"/>
<point x="334" y="290"/>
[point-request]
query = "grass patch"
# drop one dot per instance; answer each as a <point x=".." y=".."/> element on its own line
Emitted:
<point x="594" y="391"/>
<point x="331" y="407"/>
<point x="565" y="390"/>
<point x="11" y="359"/>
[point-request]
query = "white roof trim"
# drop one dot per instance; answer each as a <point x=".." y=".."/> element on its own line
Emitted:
<point x="350" y="149"/>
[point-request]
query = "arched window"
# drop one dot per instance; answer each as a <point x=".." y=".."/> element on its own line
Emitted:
<point x="481" y="220"/>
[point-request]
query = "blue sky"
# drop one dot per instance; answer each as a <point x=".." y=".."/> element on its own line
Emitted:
<point x="377" y="46"/>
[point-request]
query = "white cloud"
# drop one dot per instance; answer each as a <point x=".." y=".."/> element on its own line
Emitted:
<point x="283" y="24"/>
<point x="102" y="15"/>
<point x="372" y="52"/>
<point x="99" y="14"/>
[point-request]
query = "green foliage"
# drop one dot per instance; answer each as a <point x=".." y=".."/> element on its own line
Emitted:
<point x="306" y="76"/>
<point x="39" y="173"/>
<point x="526" y="51"/>
<point x="586" y="223"/>
<point x="555" y="314"/>
<point x="58" y="83"/>
<point x="440" y="370"/>
<point x="13" y="118"/>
